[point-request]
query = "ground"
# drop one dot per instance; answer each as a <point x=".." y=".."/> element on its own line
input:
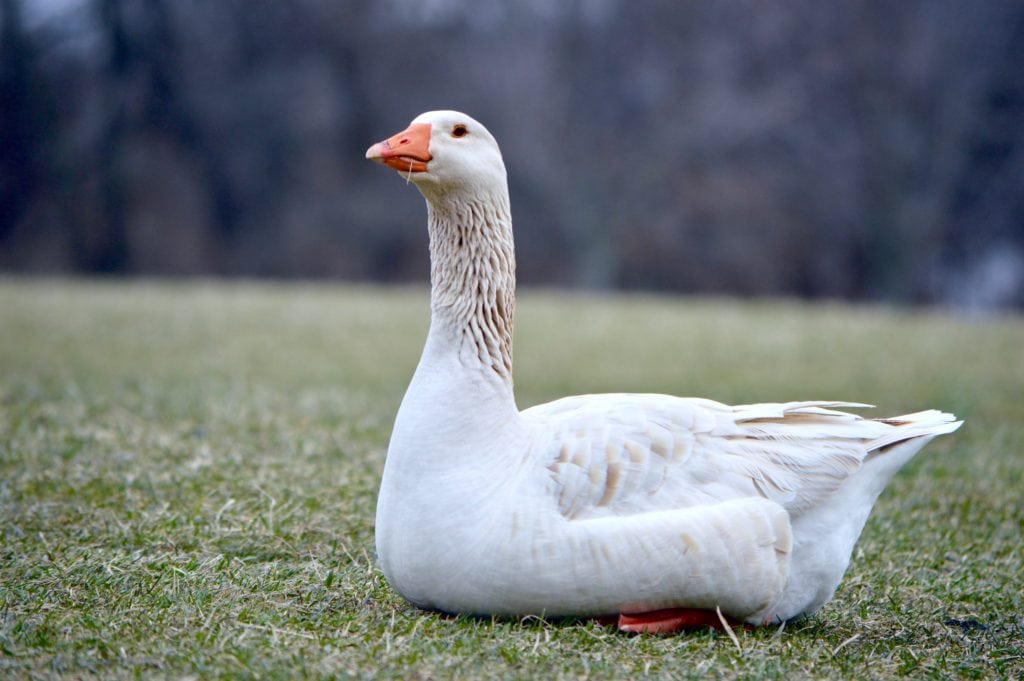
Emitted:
<point x="188" y="474"/>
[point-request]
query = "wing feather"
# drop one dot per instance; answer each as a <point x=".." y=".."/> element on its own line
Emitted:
<point x="622" y="454"/>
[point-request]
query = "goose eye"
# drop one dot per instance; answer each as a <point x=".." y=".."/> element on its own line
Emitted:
<point x="459" y="131"/>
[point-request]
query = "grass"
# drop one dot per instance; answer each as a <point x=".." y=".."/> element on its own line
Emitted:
<point x="188" y="475"/>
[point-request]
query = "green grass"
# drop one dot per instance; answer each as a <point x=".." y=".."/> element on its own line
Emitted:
<point x="188" y="474"/>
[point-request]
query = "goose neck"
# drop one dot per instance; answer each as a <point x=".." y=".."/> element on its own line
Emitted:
<point x="472" y="278"/>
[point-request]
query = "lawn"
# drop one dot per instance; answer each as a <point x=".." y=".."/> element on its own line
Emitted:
<point x="188" y="475"/>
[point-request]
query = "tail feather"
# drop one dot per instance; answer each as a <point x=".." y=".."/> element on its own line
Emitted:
<point x="928" y="423"/>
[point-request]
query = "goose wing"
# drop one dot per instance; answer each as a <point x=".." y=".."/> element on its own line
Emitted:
<point x="624" y="454"/>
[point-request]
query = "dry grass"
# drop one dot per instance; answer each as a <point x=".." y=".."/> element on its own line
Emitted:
<point x="188" y="475"/>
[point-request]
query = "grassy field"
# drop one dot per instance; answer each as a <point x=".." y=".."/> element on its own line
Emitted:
<point x="188" y="475"/>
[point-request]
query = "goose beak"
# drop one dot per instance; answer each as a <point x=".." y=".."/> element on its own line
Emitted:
<point x="408" y="151"/>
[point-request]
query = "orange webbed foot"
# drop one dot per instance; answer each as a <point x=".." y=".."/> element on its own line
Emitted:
<point x="672" y="620"/>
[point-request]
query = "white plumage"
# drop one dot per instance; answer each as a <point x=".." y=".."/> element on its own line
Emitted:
<point x="598" y="504"/>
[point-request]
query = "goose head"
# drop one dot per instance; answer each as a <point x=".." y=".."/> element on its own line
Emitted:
<point x="444" y="152"/>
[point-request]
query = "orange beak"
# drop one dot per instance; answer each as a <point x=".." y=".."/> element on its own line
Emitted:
<point x="408" y="151"/>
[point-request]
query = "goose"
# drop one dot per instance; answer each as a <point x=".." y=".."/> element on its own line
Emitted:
<point x="660" y="512"/>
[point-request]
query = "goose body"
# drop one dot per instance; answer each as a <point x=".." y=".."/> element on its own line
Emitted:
<point x="598" y="505"/>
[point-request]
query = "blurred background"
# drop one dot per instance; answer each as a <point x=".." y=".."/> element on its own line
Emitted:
<point x="858" y="150"/>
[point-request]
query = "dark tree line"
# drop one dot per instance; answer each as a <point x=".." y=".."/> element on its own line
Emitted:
<point x="861" y="149"/>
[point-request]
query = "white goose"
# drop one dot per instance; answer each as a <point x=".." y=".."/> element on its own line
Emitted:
<point x="663" y="510"/>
